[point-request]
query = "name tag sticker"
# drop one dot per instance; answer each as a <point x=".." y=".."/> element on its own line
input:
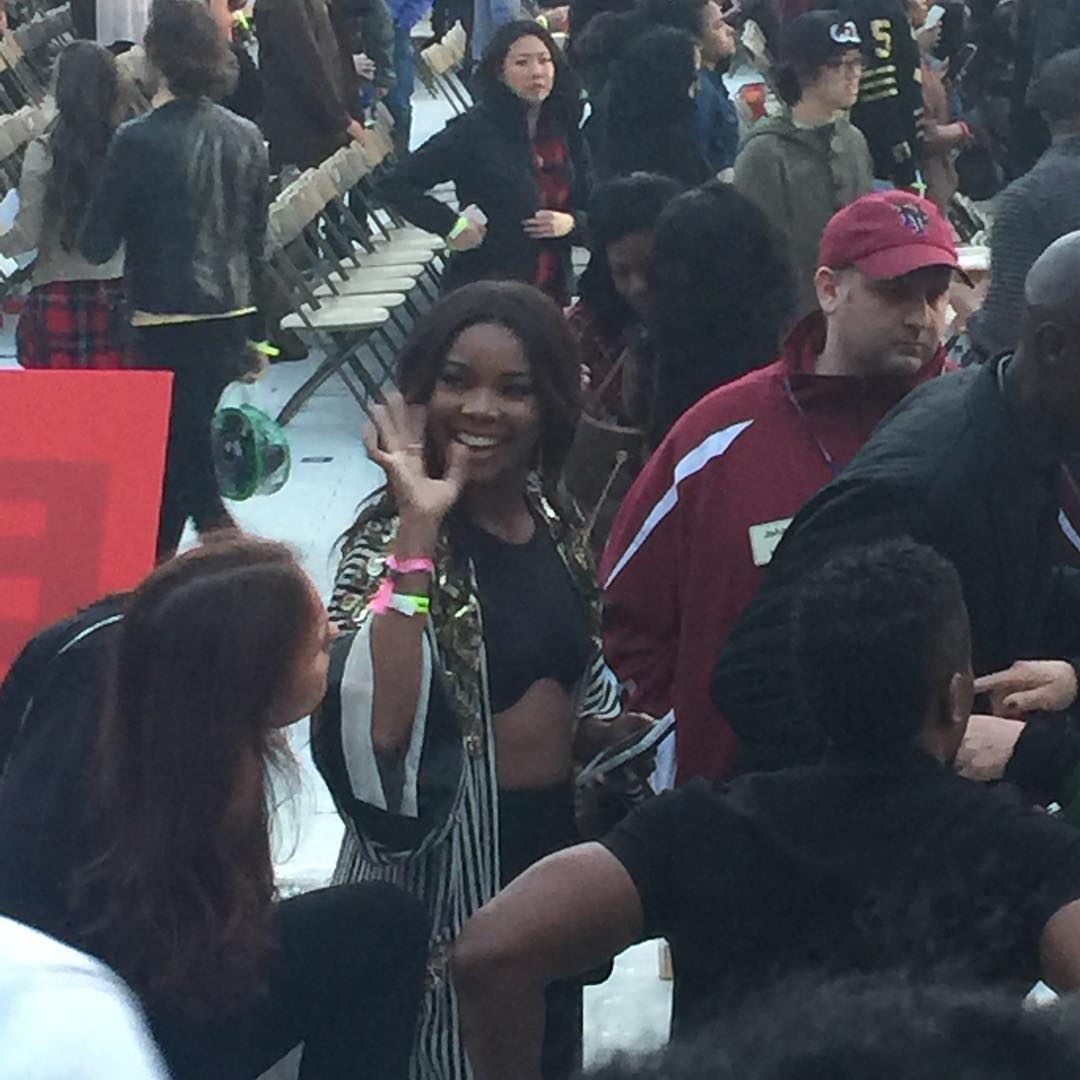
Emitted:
<point x="764" y="539"/>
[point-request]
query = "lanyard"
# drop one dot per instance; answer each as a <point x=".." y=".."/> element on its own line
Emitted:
<point x="829" y="460"/>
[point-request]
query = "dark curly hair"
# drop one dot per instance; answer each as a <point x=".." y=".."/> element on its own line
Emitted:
<point x="184" y="43"/>
<point x="872" y="1026"/>
<point x="650" y="110"/>
<point x="722" y="295"/>
<point x="876" y="631"/>
<point x="625" y="205"/>
<point x="87" y="90"/>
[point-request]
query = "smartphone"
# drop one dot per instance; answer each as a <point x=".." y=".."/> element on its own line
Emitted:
<point x="933" y="17"/>
<point x="959" y="64"/>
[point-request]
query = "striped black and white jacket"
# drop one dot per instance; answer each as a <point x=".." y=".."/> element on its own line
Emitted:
<point x="431" y="824"/>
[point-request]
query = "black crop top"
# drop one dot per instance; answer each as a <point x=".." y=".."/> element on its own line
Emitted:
<point x="534" y="620"/>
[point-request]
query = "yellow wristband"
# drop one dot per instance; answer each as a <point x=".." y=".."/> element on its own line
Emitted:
<point x="460" y="226"/>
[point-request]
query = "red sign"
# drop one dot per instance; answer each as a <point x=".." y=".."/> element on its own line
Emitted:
<point x="81" y="461"/>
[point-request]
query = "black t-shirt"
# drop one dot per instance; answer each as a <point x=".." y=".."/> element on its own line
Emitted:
<point x="534" y="621"/>
<point x="844" y="867"/>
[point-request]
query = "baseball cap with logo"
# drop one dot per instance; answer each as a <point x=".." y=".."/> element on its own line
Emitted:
<point x="813" y="39"/>
<point x="888" y="234"/>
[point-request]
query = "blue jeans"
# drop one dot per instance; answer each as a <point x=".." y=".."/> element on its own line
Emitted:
<point x="399" y="98"/>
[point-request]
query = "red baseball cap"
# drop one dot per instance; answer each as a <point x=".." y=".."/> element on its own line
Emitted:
<point x="887" y="234"/>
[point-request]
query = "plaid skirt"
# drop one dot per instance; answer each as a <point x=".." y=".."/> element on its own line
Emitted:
<point x="76" y="324"/>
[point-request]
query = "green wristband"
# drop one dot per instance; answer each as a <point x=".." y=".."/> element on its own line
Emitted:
<point x="460" y="226"/>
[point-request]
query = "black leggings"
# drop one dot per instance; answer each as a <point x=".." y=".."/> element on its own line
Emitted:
<point x="346" y="982"/>
<point x="204" y="358"/>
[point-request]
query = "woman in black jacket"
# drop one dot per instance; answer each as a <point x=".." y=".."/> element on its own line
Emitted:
<point x="518" y="156"/>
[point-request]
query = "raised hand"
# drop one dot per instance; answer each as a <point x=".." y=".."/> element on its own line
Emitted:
<point x="1028" y="686"/>
<point x="395" y="442"/>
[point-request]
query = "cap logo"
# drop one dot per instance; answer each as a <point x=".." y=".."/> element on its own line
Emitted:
<point x="912" y="217"/>
<point x="845" y="33"/>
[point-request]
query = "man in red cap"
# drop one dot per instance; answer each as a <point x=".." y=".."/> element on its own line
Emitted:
<point x="697" y="530"/>
<point x="971" y="466"/>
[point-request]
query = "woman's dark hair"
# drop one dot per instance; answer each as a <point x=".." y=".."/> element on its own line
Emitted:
<point x="650" y="130"/>
<point x="87" y="91"/>
<point x="722" y="295"/>
<point x="538" y="323"/>
<point x="876" y="632"/>
<point x="565" y="97"/>
<point x="177" y="887"/>
<point x="184" y="43"/>
<point x="625" y="205"/>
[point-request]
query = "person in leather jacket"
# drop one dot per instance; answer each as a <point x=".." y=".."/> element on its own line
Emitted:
<point x="184" y="189"/>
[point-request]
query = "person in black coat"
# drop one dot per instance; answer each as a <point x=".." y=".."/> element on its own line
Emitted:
<point x="518" y="156"/>
<point x="969" y="464"/>
<point x="647" y="109"/>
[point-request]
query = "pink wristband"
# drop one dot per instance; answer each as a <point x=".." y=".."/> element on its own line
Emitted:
<point x="422" y="565"/>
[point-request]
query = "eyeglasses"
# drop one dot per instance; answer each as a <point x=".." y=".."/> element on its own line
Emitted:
<point x="852" y="64"/>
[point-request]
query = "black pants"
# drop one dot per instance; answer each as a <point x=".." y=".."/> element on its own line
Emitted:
<point x="533" y="824"/>
<point x="204" y="358"/>
<point x="346" y="982"/>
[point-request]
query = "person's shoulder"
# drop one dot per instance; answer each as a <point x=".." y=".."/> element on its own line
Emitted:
<point x="766" y="132"/>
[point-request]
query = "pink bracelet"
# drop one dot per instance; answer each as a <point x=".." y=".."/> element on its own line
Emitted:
<point x="422" y="565"/>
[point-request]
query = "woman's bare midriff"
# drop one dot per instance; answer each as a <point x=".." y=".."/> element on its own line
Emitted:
<point x="533" y="738"/>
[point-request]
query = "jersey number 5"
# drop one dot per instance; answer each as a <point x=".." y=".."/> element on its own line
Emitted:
<point x="881" y="31"/>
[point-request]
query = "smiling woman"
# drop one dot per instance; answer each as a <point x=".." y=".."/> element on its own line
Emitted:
<point x="468" y="681"/>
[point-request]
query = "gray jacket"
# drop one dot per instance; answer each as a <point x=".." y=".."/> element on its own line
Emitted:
<point x="1032" y="213"/>
<point x="800" y="177"/>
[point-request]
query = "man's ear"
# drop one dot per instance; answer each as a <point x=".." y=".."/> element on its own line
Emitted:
<point x="960" y="697"/>
<point x="829" y="289"/>
<point x="1051" y="346"/>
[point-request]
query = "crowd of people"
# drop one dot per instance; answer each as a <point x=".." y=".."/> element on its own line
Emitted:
<point x="749" y="508"/>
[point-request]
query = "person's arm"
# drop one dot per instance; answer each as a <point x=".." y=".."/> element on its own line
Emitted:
<point x="407" y="185"/>
<point x="395" y="442"/>
<point x="106" y="222"/>
<point x="260" y="210"/>
<point x="570" y="912"/>
<point x="1059" y="949"/>
<point x="25" y="232"/>
<point x="378" y="43"/>
<point x="640" y="576"/>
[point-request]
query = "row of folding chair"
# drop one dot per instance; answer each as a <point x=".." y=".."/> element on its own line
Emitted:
<point x="440" y="65"/>
<point x="356" y="275"/>
<point x="27" y="55"/>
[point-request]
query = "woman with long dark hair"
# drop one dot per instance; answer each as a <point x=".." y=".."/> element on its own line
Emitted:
<point x="74" y="316"/>
<point x="136" y="825"/>
<point x="517" y="155"/>
<point x="722" y="293"/>
<point x="184" y="189"/>
<point x="468" y="680"/>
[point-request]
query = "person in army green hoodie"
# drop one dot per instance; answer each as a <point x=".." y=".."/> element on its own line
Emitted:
<point x="804" y="165"/>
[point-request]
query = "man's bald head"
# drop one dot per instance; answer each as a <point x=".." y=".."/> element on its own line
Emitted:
<point x="1046" y="368"/>
<point x="1053" y="283"/>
